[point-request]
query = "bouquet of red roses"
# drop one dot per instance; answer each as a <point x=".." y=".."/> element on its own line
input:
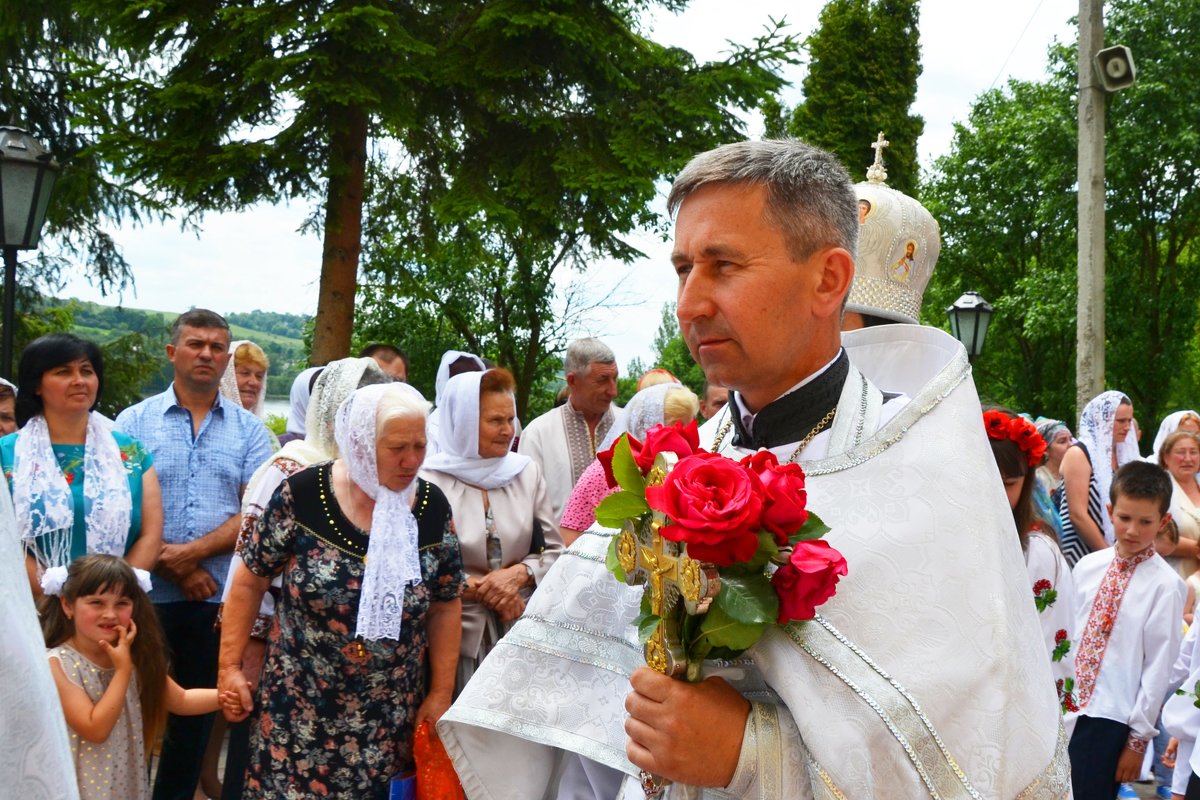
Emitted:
<point x="702" y="529"/>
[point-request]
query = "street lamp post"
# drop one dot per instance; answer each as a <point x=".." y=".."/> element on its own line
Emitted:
<point x="27" y="175"/>
<point x="969" y="319"/>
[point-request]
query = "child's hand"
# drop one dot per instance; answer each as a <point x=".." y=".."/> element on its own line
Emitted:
<point x="122" y="652"/>
<point x="1168" y="756"/>
<point x="1129" y="765"/>
<point x="231" y="704"/>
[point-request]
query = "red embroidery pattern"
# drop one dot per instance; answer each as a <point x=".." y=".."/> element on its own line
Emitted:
<point x="1101" y="620"/>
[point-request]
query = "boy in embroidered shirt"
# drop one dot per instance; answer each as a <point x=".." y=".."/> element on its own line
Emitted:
<point x="1128" y="606"/>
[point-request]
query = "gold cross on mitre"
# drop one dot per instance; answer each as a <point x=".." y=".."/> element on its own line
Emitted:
<point x="876" y="173"/>
<point x="646" y="557"/>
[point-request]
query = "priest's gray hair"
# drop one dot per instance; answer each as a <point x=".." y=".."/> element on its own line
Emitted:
<point x="399" y="400"/>
<point x="810" y="197"/>
<point x="582" y="353"/>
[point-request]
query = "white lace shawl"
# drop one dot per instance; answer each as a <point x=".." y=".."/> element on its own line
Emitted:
<point x="458" y="452"/>
<point x="229" y="386"/>
<point x="1096" y="433"/>
<point x="1169" y="425"/>
<point x="43" y="501"/>
<point x="392" y="562"/>
<point x="298" y="400"/>
<point x="643" y="412"/>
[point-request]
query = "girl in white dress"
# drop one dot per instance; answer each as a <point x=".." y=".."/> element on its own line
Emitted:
<point x="1018" y="449"/>
<point x="108" y="659"/>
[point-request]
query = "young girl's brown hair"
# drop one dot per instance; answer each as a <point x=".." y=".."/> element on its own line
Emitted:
<point x="96" y="574"/>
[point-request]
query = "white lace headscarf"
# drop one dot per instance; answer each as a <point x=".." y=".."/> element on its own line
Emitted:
<point x="1169" y="425"/>
<point x="392" y="562"/>
<point x="298" y="400"/>
<point x="43" y="501"/>
<point x="1096" y="433"/>
<point x="643" y="411"/>
<point x="333" y="385"/>
<point x="459" y="453"/>
<point x="229" y="386"/>
<point x="443" y="373"/>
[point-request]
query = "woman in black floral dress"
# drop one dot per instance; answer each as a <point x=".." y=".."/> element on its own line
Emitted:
<point x="347" y="679"/>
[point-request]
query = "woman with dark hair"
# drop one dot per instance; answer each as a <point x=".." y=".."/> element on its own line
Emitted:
<point x="501" y="510"/>
<point x="1019" y="449"/>
<point x="77" y="485"/>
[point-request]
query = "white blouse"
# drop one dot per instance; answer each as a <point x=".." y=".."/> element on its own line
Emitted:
<point x="1136" y="668"/>
<point x="1045" y="561"/>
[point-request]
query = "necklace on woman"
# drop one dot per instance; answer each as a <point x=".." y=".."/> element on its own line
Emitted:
<point x="820" y="426"/>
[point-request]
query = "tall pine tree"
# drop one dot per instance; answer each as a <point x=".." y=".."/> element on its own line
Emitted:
<point x="862" y="79"/>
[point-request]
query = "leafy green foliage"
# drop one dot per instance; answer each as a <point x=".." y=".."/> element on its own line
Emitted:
<point x="748" y="598"/>
<point x="1005" y="198"/>
<point x="813" y="528"/>
<point x="625" y="469"/>
<point x="620" y="506"/>
<point x="612" y="562"/>
<point x="719" y="629"/>
<point x="862" y="78"/>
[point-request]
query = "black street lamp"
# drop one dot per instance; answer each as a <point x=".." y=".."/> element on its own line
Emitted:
<point x="969" y="318"/>
<point x="27" y="174"/>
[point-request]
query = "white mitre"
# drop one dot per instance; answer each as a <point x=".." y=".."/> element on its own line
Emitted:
<point x="924" y="676"/>
<point x="898" y="247"/>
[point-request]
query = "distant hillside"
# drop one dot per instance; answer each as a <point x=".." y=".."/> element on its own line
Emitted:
<point x="279" y="335"/>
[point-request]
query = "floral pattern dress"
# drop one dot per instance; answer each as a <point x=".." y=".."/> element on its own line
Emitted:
<point x="334" y="714"/>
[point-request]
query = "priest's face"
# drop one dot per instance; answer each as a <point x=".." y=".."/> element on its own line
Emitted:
<point x="755" y="319"/>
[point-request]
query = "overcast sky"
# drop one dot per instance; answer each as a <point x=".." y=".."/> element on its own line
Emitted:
<point x="255" y="259"/>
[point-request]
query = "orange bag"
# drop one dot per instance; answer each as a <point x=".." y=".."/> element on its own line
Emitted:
<point x="436" y="778"/>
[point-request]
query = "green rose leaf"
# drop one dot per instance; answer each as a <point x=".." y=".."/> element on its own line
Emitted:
<point x="722" y="631"/>
<point x="612" y="562"/>
<point x="813" y="528"/>
<point x="646" y="624"/>
<point x="625" y="469"/>
<point x="748" y="599"/>
<point x="616" y="508"/>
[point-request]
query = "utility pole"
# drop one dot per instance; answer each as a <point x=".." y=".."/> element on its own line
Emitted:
<point x="1089" y="334"/>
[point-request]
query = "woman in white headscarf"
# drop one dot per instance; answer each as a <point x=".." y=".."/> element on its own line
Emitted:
<point x="1106" y="441"/>
<point x="334" y="384"/>
<point x="1185" y="420"/>
<point x="298" y="398"/>
<point x="245" y="378"/>
<point x="367" y="629"/>
<point x="659" y="404"/>
<point x="501" y="510"/>
<point x="454" y="362"/>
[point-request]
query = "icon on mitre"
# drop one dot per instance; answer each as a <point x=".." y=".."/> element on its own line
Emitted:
<point x="904" y="267"/>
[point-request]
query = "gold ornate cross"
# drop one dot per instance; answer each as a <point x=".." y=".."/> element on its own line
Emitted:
<point x="647" y="557"/>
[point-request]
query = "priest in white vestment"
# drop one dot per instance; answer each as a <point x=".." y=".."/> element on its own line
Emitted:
<point x="563" y="441"/>
<point x="35" y="754"/>
<point x="924" y="675"/>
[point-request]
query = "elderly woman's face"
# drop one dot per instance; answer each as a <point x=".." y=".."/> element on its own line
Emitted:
<point x="1183" y="459"/>
<point x="1059" y="446"/>
<point x="496" y="414"/>
<point x="399" y="451"/>
<point x="250" y="378"/>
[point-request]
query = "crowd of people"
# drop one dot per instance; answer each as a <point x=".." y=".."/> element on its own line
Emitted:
<point x="391" y="565"/>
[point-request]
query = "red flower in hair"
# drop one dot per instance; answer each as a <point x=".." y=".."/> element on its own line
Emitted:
<point x="1002" y="427"/>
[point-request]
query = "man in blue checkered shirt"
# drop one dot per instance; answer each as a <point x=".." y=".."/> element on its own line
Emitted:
<point x="205" y="449"/>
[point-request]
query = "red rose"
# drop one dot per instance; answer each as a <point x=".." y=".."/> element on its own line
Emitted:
<point x="606" y="457"/>
<point x="715" y="506"/>
<point x="783" y="485"/>
<point x="683" y="440"/>
<point x="808" y="579"/>
<point x="1042" y="586"/>
<point x="1058" y="637"/>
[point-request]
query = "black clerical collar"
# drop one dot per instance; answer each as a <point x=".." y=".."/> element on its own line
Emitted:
<point x="791" y="417"/>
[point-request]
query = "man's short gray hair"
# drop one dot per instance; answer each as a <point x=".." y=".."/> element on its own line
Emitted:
<point x="809" y="194"/>
<point x="582" y="353"/>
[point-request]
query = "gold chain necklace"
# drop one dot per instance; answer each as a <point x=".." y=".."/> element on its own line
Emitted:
<point x="820" y="426"/>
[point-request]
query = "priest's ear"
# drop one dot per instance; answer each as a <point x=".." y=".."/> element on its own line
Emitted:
<point x="836" y="269"/>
